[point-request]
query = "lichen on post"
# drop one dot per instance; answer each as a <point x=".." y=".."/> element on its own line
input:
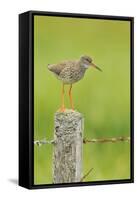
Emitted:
<point x="67" y="156"/>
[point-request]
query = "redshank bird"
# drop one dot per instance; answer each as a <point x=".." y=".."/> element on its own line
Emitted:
<point x="70" y="72"/>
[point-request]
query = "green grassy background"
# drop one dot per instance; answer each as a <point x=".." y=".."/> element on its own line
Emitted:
<point x="103" y="98"/>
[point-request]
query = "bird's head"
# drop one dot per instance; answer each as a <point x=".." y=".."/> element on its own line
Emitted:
<point x="86" y="62"/>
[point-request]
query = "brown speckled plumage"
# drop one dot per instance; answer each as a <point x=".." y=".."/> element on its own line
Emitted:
<point x="71" y="71"/>
<point x="68" y="72"/>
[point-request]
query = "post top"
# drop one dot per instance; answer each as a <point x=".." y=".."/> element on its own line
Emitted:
<point x="69" y="113"/>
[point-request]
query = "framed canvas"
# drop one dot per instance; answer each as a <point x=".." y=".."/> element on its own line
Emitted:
<point x="76" y="88"/>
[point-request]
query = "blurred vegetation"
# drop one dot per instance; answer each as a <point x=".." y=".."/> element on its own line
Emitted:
<point x="103" y="98"/>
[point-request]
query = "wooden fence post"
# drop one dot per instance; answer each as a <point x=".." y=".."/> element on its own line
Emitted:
<point x="67" y="156"/>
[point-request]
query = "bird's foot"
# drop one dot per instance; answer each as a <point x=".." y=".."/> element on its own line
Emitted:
<point x="72" y="107"/>
<point x="62" y="109"/>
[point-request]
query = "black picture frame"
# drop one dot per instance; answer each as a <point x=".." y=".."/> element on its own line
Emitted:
<point x="26" y="100"/>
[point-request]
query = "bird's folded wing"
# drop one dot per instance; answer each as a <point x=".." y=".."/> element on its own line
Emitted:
<point x="57" y="68"/>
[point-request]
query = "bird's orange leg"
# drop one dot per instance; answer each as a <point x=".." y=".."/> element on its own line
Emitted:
<point x="70" y="97"/>
<point x="62" y="109"/>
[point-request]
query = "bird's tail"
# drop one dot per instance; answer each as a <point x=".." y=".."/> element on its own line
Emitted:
<point x="49" y="66"/>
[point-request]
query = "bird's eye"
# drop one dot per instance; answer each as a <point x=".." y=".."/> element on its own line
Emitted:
<point x="88" y="60"/>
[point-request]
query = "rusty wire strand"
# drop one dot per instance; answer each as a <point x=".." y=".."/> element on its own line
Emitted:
<point x="107" y="140"/>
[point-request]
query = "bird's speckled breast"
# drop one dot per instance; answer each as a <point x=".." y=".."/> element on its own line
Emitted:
<point x="71" y="74"/>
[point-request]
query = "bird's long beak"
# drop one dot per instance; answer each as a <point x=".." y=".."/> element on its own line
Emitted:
<point x="92" y="64"/>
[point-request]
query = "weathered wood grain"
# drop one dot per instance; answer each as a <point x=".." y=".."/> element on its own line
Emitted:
<point x="67" y="156"/>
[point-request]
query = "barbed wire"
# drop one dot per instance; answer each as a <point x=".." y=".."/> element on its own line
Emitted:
<point x="43" y="141"/>
<point x="85" y="141"/>
<point x="105" y="140"/>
